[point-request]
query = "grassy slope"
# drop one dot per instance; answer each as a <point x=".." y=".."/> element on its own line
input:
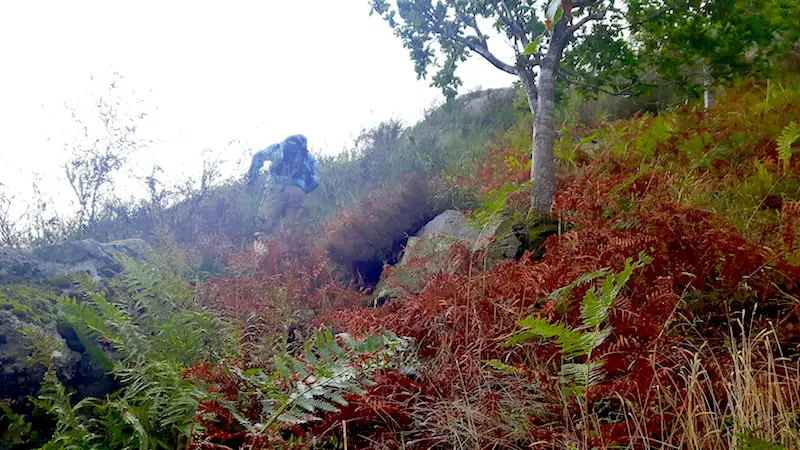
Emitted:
<point x="702" y="193"/>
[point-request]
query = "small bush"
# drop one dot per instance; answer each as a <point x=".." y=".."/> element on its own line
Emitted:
<point x="364" y="238"/>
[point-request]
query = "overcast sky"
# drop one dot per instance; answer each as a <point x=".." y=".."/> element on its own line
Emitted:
<point x="207" y="73"/>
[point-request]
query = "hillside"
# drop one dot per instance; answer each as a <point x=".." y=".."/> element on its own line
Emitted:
<point x="419" y="304"/>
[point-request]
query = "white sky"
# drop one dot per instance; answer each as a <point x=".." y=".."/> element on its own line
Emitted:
<point x="207" y="73"/>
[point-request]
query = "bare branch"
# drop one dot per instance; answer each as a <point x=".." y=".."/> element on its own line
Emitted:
<point x="482" y="46"/>
<point x="475" y="43"/>
<point x="593" y="16"/>
<point x="563" y="74"/>
<point x="481" y="49"/>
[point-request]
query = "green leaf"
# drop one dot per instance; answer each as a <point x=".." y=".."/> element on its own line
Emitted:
<point x="594" y="309"/>
<point x="533" y="45"/>
<point x="518" y="338"/>
<point x="583" y="279"/>
<point x="542" y="327"/>
<point x="559" y="14"/>
<point x="501" y="366"/>
<point x="763" y="174"/>
<point x="552" y="12"/>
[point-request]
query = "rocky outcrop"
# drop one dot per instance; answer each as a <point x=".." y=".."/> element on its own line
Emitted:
<point x="482" y="104"/>
<point x="21" y="342"/>
<point x="32" y="333"/>
<point x="52" y="261"/>
<point x="428" y="253"/>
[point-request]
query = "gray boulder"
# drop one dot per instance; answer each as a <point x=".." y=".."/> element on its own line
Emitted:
<point x="32" y="335"/>
<point x="57" y="260"/>
<point x="495" y="236"/>
<point x="428" y="253"/>
<point x="482" y="104"/>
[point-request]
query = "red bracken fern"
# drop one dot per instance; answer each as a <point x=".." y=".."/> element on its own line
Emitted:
<point x="461" y="319"/>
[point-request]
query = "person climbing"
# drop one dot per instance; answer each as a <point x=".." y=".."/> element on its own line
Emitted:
<point x="292" y="176"/>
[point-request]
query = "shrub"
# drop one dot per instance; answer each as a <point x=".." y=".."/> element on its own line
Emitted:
<point x="366" y="237"/>
<point x="281" y="282"/>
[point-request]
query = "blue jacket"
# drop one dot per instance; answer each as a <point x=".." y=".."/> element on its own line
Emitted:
<point x="292" y="164"/>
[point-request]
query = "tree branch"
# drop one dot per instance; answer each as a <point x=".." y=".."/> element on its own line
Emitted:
<point x="475" y="43"/>
<point x="585" y="3"/>
<point x="625" y="92"/>
<point x="483" y="50"/>
<point x="593" y="16"/>
<point x="512" y="22"/>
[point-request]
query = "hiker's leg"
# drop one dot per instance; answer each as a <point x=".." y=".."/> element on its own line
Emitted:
<point x="273" y="205"/>
<point x="295" y="202"/>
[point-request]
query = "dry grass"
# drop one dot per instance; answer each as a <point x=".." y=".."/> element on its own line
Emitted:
<point x="751" y="400"/>
<point x="743" y="394"/>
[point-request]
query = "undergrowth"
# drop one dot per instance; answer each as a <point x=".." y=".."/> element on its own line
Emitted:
<point x="581" y="342"/>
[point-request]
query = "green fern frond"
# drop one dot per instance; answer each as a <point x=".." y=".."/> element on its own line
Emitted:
<point x="594" y="309"/>
<point x="155" y="336"/>
<point x="583" y="375"/>
<point x="321" y="378"/>
<point x="71" y="431"/>
<point x="571" y="342"/>
<point x="789" y="135"/>
<point x="583" y="340"/>
<point x="565" y="291"/>
<point x="299" y="368"/>
<point x="336" y="398"/>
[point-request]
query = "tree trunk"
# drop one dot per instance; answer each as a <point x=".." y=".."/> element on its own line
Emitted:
<point x="708" y="96"/>
<point x="528" y="79"/>
<point x="544" y="134"/>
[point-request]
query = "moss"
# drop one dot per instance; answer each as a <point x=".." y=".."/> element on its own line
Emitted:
<point x="30" y="303"/>
<point x="537" y="228"/>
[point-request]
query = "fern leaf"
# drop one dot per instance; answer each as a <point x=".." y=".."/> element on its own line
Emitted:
<point x="571" y="342"/>
<point x="593" y="339"/>
<point x="337" y="398"/>
<point x="349" y="341"/>
<point x="312" y="359"/>
<point x="520" y="337"/>
<point x="299" y="368"/>
<point x="292" y="418"/>
<point x="501" y="366"/>
<point x="323" y="405"/>
<point x="789" y="135"/>
<point x="583" y="279"/>
<point x="134" y="422"/>
<point x="594" y="309"/>
<point x="304" y="402"/>
<point x="282" y="368"/>
<point x="357" y="390"/>
<point x="542" y="327"/>
<point x="583" y="375"/>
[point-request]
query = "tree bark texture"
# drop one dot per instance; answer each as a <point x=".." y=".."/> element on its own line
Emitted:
<point x="528" y="79"/>
<point x="544" y="133"/>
